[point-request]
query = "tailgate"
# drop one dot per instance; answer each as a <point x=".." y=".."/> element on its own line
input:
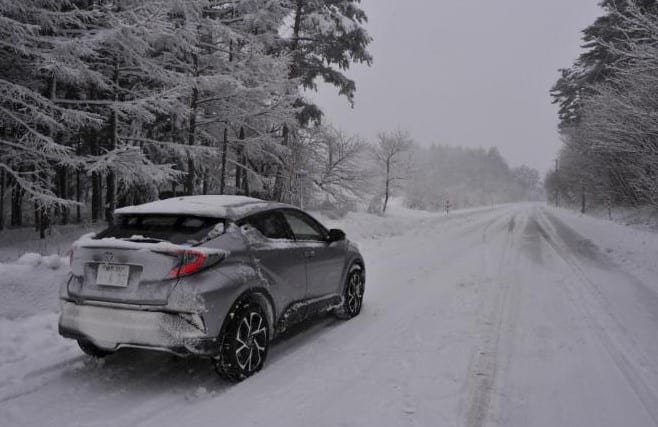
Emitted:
<point x="122" y="272"/>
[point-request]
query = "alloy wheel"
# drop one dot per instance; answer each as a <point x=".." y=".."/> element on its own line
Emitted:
<point x="355" y="293"/>
<point x="251" y="337"/>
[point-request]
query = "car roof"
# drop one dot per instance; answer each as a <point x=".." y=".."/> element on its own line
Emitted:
<point x="214" y="206"/>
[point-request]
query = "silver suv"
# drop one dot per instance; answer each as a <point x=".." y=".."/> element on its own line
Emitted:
<point x="213" y="276"/>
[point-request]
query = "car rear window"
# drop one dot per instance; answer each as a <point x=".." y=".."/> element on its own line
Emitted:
<point x="177" y="229"/>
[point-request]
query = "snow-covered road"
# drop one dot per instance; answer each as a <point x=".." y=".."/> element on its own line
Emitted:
<point x="515" y="316"/>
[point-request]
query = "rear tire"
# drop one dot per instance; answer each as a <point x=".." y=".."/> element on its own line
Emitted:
<point x="245" y="343"/>
<point x="92" y="350"/>
<point x="352" y="294"/>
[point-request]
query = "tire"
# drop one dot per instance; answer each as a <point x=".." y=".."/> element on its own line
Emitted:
<point x="245" y="343"/>
<point x="92" y="350"/>
<point x="352" y="294"/>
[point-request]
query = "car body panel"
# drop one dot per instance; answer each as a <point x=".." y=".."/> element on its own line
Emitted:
<point x="325" y="262"/>
<point x="282" y="267"/>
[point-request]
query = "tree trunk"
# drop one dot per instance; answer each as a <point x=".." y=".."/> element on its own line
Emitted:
<point x="243" y="163"/>
<point x="557" y="184"/>
<point x="96" y="196"/>
<point x="16" y="206"/>
<point x="64" y="188"/>
<point x="42" y="211"/>
<point x="387" y="186"/>
<point x="239" y="169"/>
<point x="111" y="196"/>
<point x="2" y="199"/>
<point x="44" y="221"/>
<point x="296" y="29"/>
<point x="172" y="134"/>
<point x="277" y="194"/>
<point x="78" y="213"/>
<point x="37" y="217"/>
<point x="78" y="190"/>
<point x="222" y="178"/>
<point x="192" y="131"/>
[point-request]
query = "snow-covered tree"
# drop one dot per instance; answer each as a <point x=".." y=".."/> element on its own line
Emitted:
<point x="238" y="88"/>
<point x="117" y="100"/>
<point x="610" y="151"/>
<point x="389" y="154"/>
<point x="33" y="127"/>
<point x="602" y="41"/>
<point x="325" y="37"/>
<point x="337" y="165"/>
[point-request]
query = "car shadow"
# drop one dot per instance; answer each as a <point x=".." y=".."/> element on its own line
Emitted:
<point x="136" y="372"/>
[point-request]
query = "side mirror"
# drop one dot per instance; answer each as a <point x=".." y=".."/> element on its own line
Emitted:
<point x="336" y="235"/>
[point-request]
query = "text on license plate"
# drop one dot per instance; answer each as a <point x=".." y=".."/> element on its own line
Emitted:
<point x="112" y="275"/>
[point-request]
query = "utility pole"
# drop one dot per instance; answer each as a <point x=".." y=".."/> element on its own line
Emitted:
<point x="557" y="183"/>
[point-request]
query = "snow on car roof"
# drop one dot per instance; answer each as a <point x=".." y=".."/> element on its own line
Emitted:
<point x="210" y="206"/>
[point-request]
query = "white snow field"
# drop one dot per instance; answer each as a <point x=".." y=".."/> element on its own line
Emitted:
<point x="519" y="315"/>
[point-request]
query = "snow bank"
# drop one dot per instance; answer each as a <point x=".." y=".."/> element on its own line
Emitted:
<point x="19" y="241"/>
<point x="645" y="218"/>
<point x="30" y="259"/>
<point x="633" y="248"/>
<point x="30" y="285"/>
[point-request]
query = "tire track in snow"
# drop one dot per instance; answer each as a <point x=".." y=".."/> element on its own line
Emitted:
<point x="34" y="380"/>
<point x="501" y="314"/>
<point x="618" y="352"/>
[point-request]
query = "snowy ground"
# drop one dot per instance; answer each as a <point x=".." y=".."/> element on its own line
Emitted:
<point x="520" y="315"/>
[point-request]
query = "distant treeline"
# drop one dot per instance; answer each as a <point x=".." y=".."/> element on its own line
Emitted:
<point x="608" y="102"/>
<point x="464" y="177"/>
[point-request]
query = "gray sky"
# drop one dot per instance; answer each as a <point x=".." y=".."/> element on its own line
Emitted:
<point x="465" y="72"/>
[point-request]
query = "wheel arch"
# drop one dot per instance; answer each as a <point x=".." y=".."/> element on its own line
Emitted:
<point x="356" y="261"/>
<point x="259" y="296"/>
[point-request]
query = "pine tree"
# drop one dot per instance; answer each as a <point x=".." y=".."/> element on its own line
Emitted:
<point x="602" y="42"/>
<point x="326" y="37"/>
<point x="607" y="105"/>
<point x="31" y="124"/>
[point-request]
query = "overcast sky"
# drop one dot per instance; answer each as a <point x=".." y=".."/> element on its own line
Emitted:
<point x="465" y="72"/>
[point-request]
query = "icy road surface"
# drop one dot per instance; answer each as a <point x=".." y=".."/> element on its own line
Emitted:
<point x="515" y="316"/>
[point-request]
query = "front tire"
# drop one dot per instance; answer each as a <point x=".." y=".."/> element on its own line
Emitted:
<point x="245" y="343"/>
<point x="352" y="294"/>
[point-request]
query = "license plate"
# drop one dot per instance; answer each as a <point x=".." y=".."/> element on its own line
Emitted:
<point x="112" y="275"/>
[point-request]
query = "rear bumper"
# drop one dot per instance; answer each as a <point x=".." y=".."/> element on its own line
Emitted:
<point x="112" y="328"/>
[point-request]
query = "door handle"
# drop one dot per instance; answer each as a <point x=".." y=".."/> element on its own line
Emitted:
<point x="309" y="253"/>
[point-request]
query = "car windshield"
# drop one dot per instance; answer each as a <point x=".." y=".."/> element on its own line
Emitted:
<point x="177" y="229"/>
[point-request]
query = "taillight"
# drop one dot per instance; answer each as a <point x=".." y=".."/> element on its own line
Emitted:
<point x="191" y="261"/>
<point x="71" y="257"/>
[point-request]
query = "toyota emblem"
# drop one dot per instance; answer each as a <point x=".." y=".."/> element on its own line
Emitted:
<point x="108" y="257"/>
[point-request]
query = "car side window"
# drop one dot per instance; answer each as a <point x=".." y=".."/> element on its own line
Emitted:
<point x="304" y="227"/>
<point x="269" y="224"/>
